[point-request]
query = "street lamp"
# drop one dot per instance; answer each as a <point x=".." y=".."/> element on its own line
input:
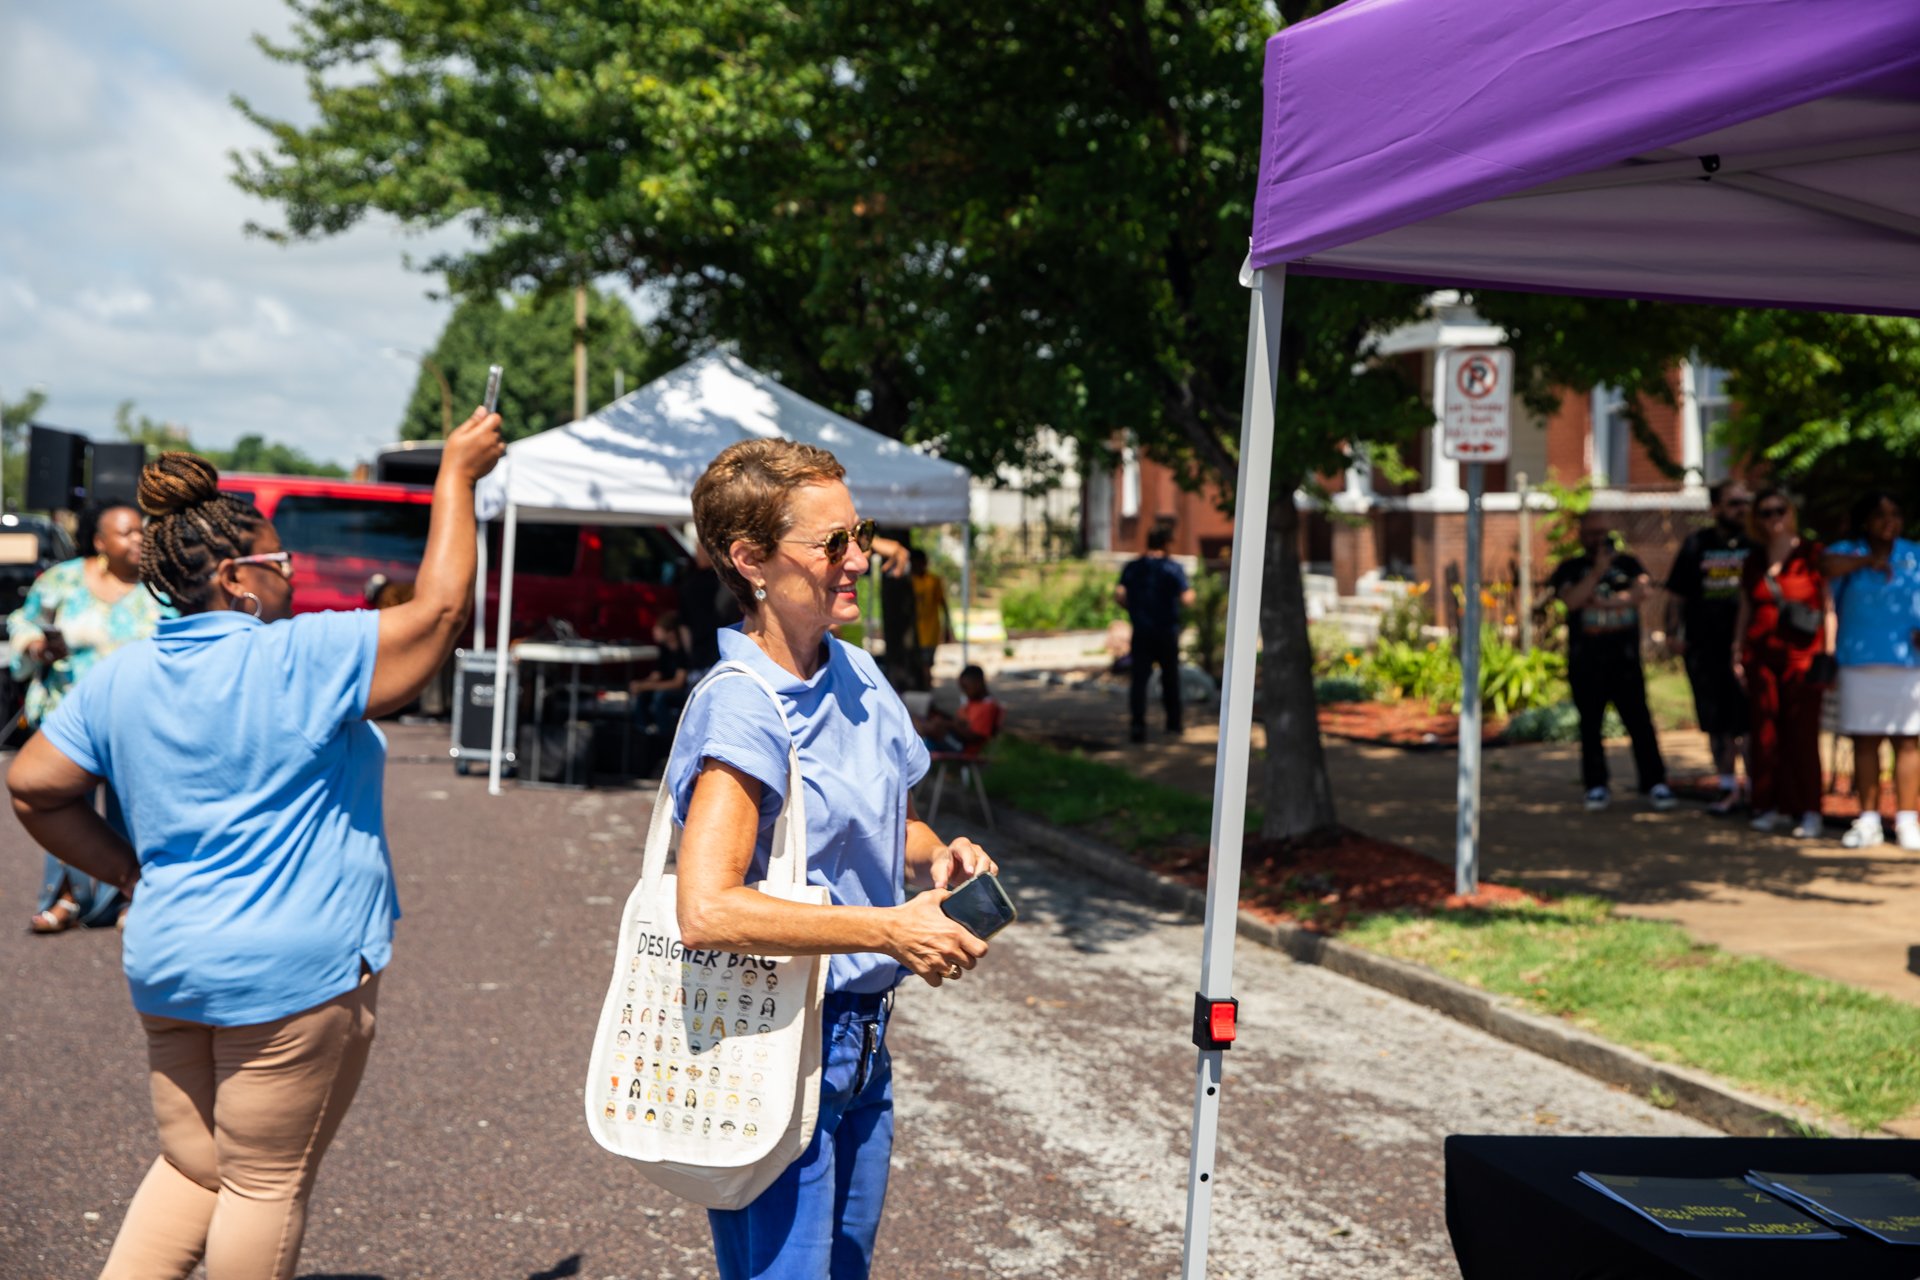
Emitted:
<point x="446" y="390"/>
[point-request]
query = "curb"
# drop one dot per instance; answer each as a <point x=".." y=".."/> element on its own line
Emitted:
<point x="1693" y="1093"/>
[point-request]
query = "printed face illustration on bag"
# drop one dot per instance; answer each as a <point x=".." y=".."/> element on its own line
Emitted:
<point x="719" y="1027"/>
<point x="720" y="1000"/>
<point x="752" y="1130"/>
<point x="750" y="977"/>
<point x="726" y="1128"/>
<point x="626" y="1015"/>
<point x="693" y="1072"/>
<point x="766" y="1007"/>
<point x="700" y="1000"/>
<point x="669" y="1095"/>
<point x="740" y="1026"/>
<point x="693" y="1100"/>
<point x="773" y="980"/>
<point x="676" y="1044"/>
<point x="611" y="1113"/>
<point x="631" y="1112"/>
<point x="686" y="1123"/>
<point x="631" y="986"/>
<point x="650" y="1117"/>
<point x="656" y="1042"/>
<point x="625" y="1037"/>
<point x="706" y="1125"/>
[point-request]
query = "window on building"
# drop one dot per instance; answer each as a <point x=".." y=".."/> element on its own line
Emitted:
<point x="1612" y="437"/>
<point x="1714" y="407"/>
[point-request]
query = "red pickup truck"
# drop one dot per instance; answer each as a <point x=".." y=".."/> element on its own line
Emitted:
<point x="607" y="582"/>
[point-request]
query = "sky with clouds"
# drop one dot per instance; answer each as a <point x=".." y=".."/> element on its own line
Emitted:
<point x="125" y="270"/>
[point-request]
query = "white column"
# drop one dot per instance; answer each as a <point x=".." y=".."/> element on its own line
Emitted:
<point x="1693" y="442"/>
<point x="479" y="585"/>
<point x="1443" y="473"/>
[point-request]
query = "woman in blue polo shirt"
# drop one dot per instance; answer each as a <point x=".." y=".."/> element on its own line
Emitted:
<point x="781" y="530"/>
<point x="1876" y="589"/>
<point x="263" y="900"/>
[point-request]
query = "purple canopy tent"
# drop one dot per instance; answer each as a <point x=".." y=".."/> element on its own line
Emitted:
<point x="1749" y="152"/>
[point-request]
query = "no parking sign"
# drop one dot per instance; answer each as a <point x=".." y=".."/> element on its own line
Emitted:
<point x="1475" y="414"/>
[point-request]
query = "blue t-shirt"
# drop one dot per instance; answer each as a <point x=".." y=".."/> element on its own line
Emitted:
<point x="1154" y="586"/>
<point x="252" y="790"/>
<point x="859" y="756"/>
<point x="1878" y="612"/>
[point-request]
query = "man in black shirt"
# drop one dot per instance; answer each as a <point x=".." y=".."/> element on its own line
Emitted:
<point x="1703" y="602"/>
<point x="1603" y="589"/>
<point x="705" y="606"/>
<point x="1152" y="590"/>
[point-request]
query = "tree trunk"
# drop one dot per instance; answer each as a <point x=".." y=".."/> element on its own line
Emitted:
<point x="1294" y="789"/>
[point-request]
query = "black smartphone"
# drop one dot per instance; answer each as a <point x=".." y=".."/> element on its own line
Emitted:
<point x="980" y="906"/>
<point x="493" y="387"/>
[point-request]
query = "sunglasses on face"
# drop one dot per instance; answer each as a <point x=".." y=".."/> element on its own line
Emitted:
<point x="835" y="544"/>
<point x="281" y="560"/>
<point x="1771" y="513"/>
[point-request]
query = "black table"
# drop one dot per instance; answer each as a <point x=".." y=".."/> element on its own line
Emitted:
<point x="1515" y="1212"/>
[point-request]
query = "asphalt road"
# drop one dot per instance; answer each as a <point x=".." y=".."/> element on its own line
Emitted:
<point x="1044" y="1101"/>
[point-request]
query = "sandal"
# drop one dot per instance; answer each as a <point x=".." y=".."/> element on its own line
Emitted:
<point x="58" y="918"/>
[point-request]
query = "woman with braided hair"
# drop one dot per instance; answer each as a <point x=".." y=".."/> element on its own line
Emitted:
<point x="263" y="898"/>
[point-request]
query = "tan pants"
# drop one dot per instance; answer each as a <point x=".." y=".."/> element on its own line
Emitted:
<point x="245" y="1115"/>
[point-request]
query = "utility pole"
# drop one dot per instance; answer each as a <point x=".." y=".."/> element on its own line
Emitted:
<point x="579" y="352"/>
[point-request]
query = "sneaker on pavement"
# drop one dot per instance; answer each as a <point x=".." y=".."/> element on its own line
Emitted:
<point x="1766" y="822"/>
<point x="1908" y="834"/>
<point x="1863" y="834"/>
<point x="1810" y="828"/>
<point x="1661" y="797"/>
<point x="1598" y="799"/>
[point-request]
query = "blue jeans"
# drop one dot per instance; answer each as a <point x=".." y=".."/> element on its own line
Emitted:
<point x="819" y="1221"/>
<point x="99" y="904"/>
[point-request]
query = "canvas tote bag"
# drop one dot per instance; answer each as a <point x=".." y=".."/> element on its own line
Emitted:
<point x="706" y="1064"/>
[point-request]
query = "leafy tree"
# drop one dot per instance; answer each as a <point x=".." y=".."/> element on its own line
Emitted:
<point x="253" y="453"/>
<point x="955" y="223"/>
<point x="15" y="417"/>
<point x="1830" y="403"/>
<point x="531" y="337"/>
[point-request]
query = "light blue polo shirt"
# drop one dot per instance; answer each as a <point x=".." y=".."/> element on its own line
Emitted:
<point x="252" y="790"/>
<point x="859" y="755"/>
<point x="1878" y="613"/>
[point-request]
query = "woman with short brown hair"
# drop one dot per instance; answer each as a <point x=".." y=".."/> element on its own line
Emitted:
<point x="780" y="526"/>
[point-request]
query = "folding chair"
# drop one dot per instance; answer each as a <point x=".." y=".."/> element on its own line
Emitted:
<point x="972" y="768"/>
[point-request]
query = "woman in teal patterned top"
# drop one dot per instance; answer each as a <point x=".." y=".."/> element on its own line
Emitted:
<point x="75" y="614"/>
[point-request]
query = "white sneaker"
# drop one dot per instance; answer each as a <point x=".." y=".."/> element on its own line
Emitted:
<point x="1864" y="833"/>
<point x="1908" y="834"/>
<point x="1764" y="823"/>
<point x="1810" y="828"/>
<point x="1598" y="799"/>
<point x="1661" y="797"/>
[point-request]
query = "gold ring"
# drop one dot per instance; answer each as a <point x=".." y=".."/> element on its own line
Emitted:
<point x="953" y="971"/>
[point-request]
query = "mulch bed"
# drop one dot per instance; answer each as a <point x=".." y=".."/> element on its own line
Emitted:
<point x="1408" y="725"/>
<point x="1321" y="881"/>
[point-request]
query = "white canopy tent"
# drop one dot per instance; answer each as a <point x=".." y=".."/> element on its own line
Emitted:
<point x="636" y="461"/>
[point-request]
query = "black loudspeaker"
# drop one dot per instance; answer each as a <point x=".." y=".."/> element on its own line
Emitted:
<point x="116" y="472"/>
<point x="56" y="468"/>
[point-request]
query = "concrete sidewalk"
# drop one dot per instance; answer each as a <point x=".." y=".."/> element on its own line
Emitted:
<point x="1844" y="914"/>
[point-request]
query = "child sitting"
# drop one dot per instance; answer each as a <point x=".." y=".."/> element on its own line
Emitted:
<point x="979" y="718"/>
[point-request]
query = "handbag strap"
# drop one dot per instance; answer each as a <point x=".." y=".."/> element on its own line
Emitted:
<point x="788" y="863"/>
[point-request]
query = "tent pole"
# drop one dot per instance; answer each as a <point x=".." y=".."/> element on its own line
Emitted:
<point x="966" y="592"/>
<point x="501" y="691"/>
<point x="480" y="586"/>
<point x="1236" y="722"/>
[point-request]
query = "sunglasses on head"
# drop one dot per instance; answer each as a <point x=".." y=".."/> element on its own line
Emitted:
<point x="835" y="544"/>
<point x="280" y="560"/>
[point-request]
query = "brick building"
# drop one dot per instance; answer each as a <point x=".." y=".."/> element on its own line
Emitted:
<point x="1416" y="531"/>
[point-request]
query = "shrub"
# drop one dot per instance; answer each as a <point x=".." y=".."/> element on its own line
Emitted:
<point x="1514" y="680"/>
<point x="1082" y="602"/>
<point x="1331" y="689"/>
<point x="1408" y="617"/>
<point x="1209" y="617"/>
<point x="1334" y="654"/>
<point x="1558" y="722"/>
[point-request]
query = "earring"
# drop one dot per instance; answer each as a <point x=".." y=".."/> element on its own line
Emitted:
<point x="759" y="593"/>
<point x="254" y="612"/>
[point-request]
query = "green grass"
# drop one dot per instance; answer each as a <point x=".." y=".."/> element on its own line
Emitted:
<point x="1669" y="696"/>
<point x="1842" y="1051"/>
<point x="1069" y="790"/>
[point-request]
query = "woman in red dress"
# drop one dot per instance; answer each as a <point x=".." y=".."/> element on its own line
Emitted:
<point x="1782" y="627"/>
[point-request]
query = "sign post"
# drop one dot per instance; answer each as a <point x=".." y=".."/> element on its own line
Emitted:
<point x="1475" y="429"/>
